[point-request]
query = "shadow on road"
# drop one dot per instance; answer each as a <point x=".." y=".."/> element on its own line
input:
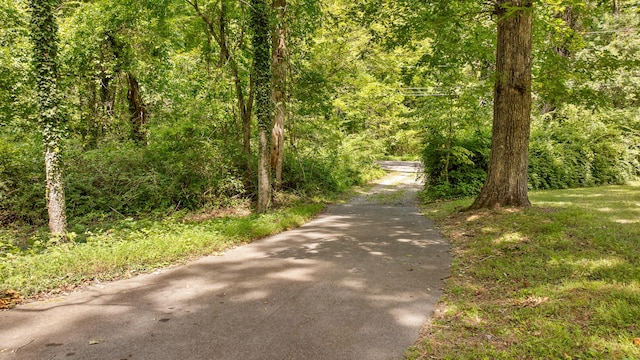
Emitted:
<point x="356" y="283"/>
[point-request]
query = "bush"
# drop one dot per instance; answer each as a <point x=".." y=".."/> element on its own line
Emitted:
<point x="578" y="148"/>
<point x="456" y="168"/>
<point x="573" y="148"/>
<point x="127" y="179"/>
<point x="312" y="169"/>
<point x="22" y="182"/>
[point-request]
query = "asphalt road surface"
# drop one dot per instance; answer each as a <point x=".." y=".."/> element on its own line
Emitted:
<point x="358" y="282"/>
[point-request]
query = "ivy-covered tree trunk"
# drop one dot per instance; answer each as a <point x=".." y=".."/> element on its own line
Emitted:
<point x="507" y="179"/>
<point x="279" y="51"/>
<point x="44" y="35"/>
<point x="262" y="75"/>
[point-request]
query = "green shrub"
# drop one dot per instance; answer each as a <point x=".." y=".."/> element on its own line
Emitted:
<point x="124" y="178"/>
<point x="22" y="183"/>
<point x="573" y="148"/>
<point x="312" y="169"/>
<point x="455" y="167"/>
<point x="578" y="148"/>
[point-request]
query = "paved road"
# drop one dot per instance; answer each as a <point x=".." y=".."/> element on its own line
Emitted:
<point x="357" y="282"/>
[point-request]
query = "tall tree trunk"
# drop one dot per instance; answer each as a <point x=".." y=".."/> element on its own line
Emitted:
<point x="91" y="131"/>
<point x="280" y="68"/>
<point x="106" y="96"/>
<point x="506" y="183"/>
<point x="137" y="110"/>
<point x="44" y="35"/>
<point x="244" y="107"/>
<point x="615" y="7"/>
<point x="262" y="71"/>
<point x="55" y="189"/>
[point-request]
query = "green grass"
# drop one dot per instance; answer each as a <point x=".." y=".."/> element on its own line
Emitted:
<point x="558" y="281"/>
<point x="127" y="247"/>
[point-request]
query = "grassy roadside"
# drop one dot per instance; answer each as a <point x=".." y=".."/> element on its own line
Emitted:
<point x="125" y="248"/>
<point x="558" y="281"/>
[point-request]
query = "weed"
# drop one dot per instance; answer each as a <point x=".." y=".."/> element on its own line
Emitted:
<point x="129" y="246"/>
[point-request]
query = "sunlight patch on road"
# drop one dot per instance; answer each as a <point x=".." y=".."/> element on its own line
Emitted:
<point x="406" y="317"/>
<point x="296" y="274"/>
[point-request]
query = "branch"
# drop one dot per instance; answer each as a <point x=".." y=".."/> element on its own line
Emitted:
<point x="206" y="20"/>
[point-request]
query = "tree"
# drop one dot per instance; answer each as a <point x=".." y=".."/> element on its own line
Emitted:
<point x="218" y="29"/>
<point x="506" y="183"/>
<point x="44" y="35"/>
<point x="138" y="110"/>
<point x="279" y="53"/>
<point x="262" y="73"/>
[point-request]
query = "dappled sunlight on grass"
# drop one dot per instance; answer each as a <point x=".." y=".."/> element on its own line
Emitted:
<point x="625" y="221"/>
<point x="489" y="230"/>
<point x="559" y="280"/>
<point x="512" y="237"/>
<point x="131" y="247"/>
<point x="582" y="265"/>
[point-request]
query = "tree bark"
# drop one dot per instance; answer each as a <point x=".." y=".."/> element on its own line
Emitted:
<point x="44" y="36"/>
<point x="280" y="65"/>
<point x="615" y="7"/>
<point x="55" y="191"/>
<point x="137" y="110"/>
<point x="507" y="179"/>
<point x="264" y="107"/>
<point x="264" y="171"/>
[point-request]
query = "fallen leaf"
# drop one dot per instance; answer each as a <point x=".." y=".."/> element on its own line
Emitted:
<point x="9" y="299"/>
<point x="531" y="301"/>
<point x="94" y="342"/>
<point x="636" y="341"/>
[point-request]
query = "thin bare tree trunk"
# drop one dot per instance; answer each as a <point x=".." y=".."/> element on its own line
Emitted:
<point x="280" y="65"/>
<point x="137" y="110"/>
<point x="507" y="180"/>
<point x="570" y="18"/>
<point x="220" y="36"/>
<point x="615" y="7"/>
<point x="264" y="171"/>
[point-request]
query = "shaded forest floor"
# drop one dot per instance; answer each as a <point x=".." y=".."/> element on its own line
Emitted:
<point x="559" y="281"/>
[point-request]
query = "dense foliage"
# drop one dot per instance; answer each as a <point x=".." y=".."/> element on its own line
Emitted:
<point x="585" y="121"/>
<point x="153" y="94"/>
<point x="187" y="151"/>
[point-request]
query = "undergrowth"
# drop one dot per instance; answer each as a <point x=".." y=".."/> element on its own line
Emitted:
<point x="124" y="248"/>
